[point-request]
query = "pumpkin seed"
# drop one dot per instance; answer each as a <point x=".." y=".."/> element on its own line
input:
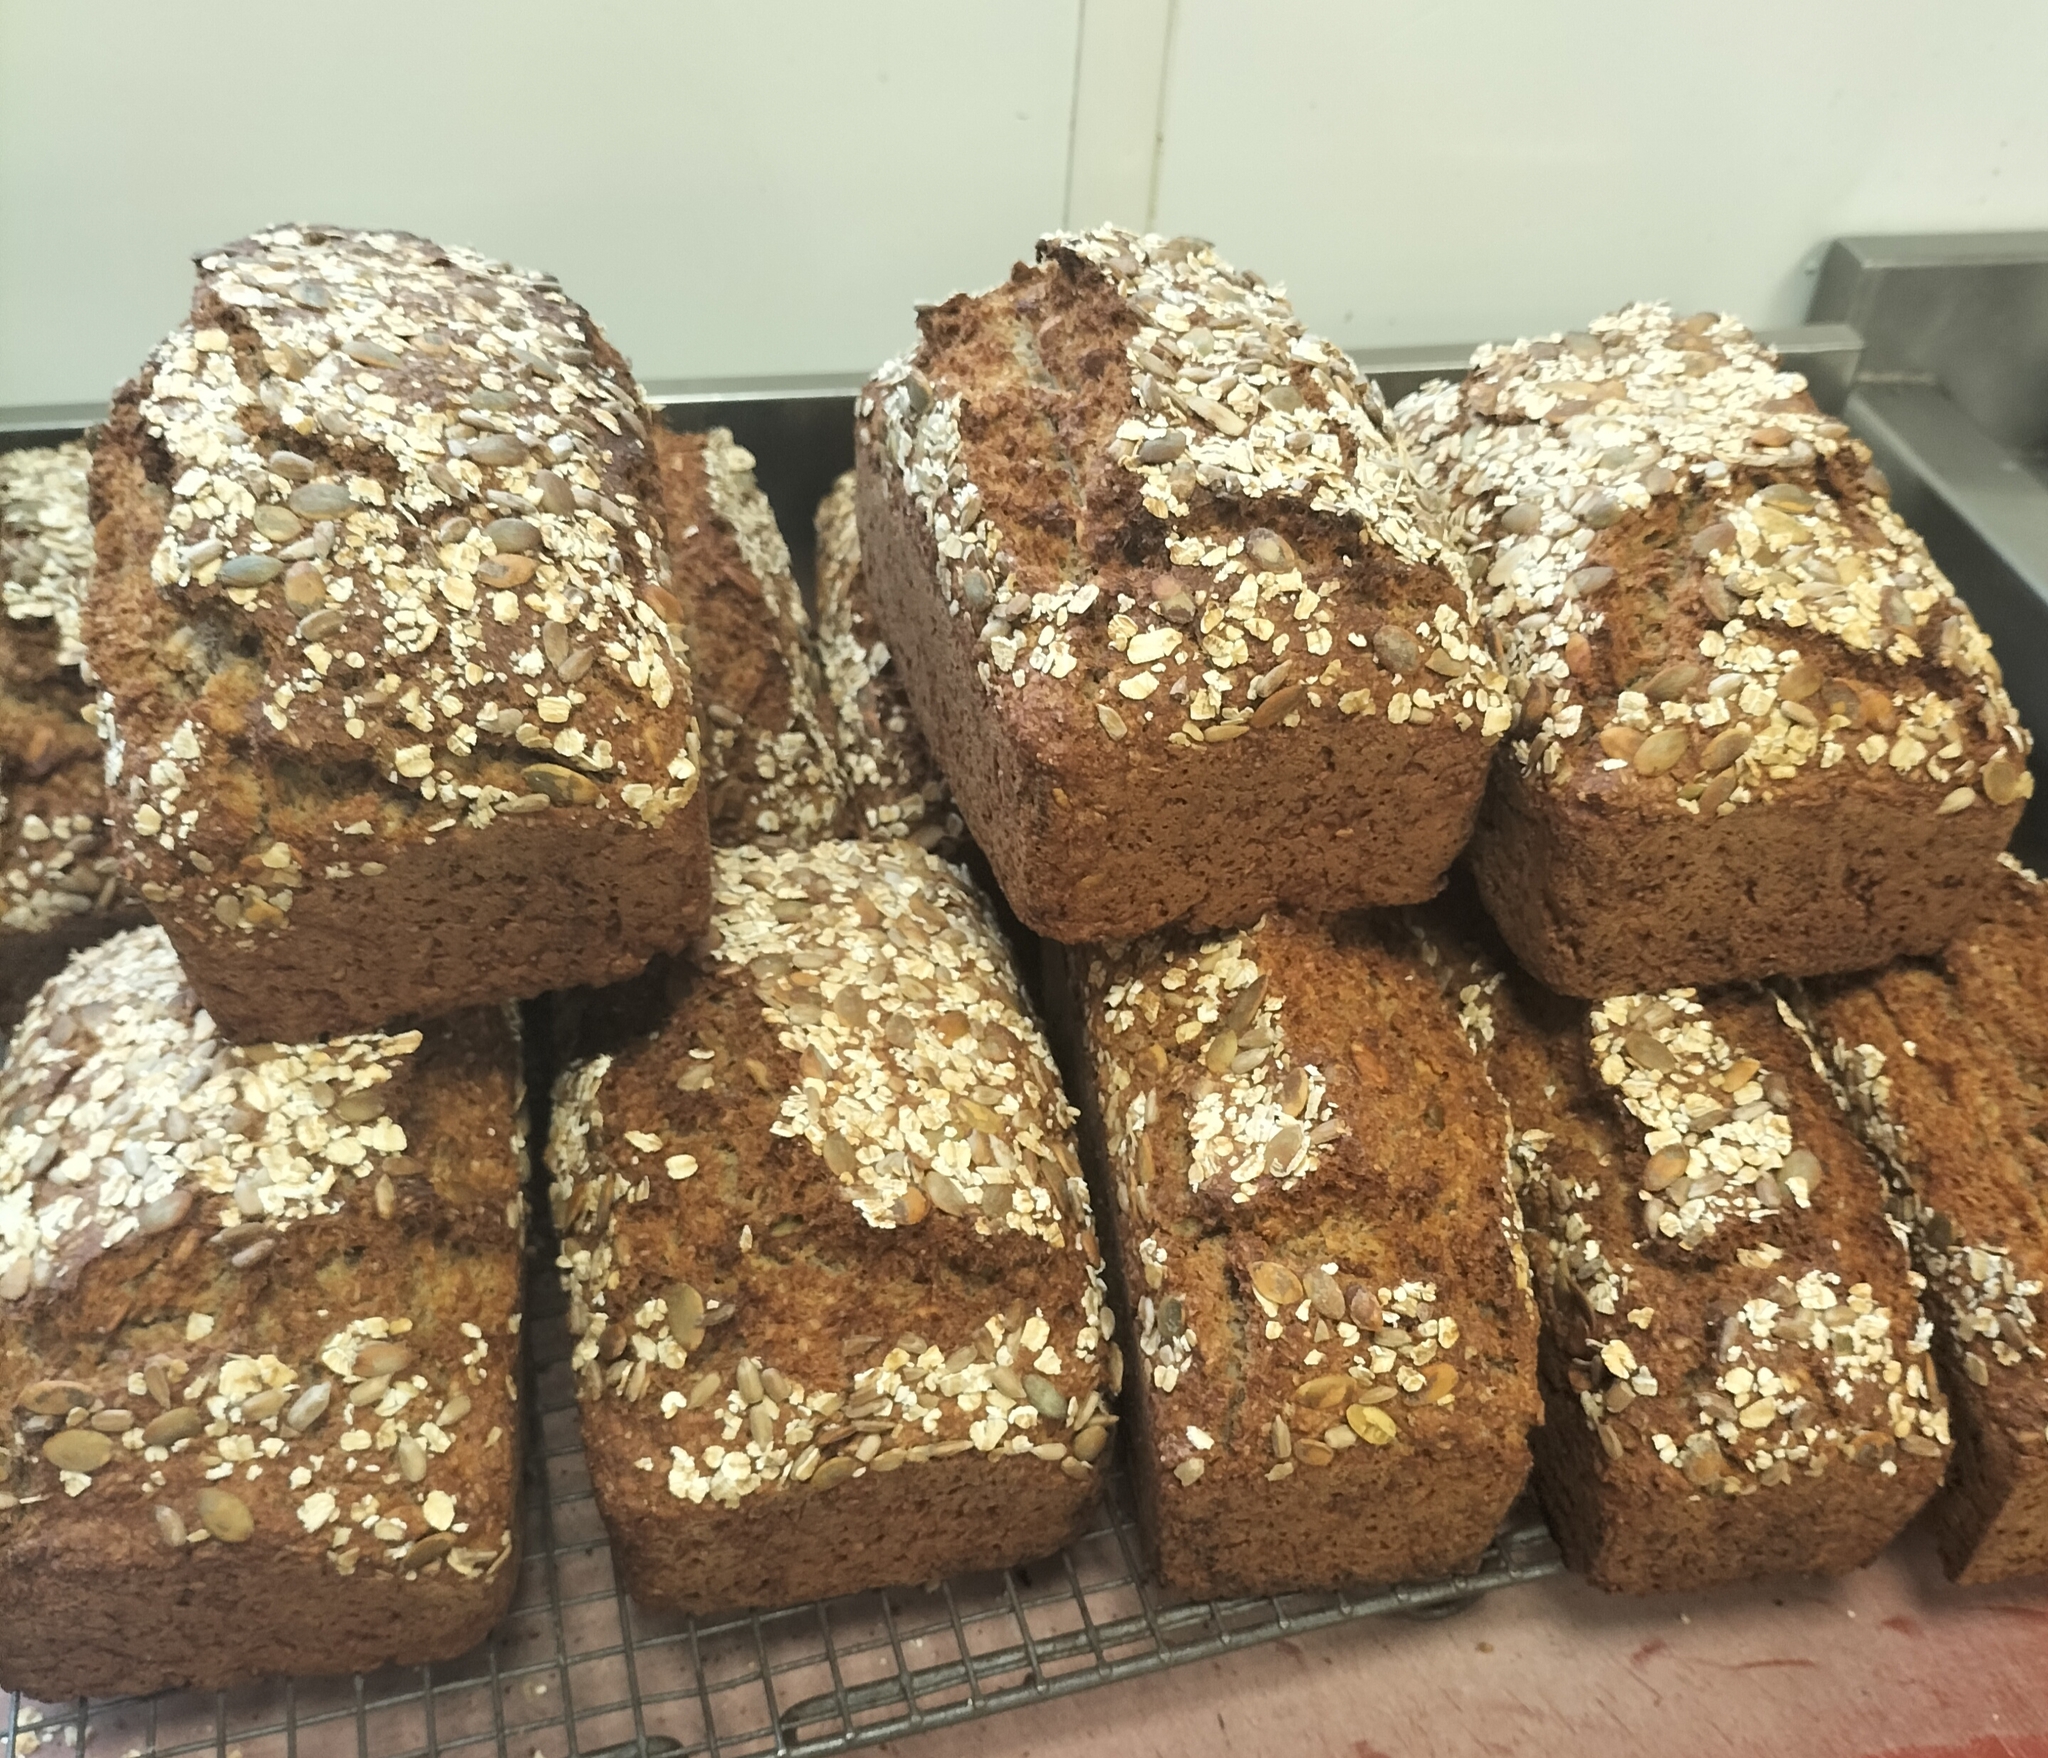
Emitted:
<point x="181" y="1424"/>
<point x="226" y="1516"/>
<point x="78" y="1449"/>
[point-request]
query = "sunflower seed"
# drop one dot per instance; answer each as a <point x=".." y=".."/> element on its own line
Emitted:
<point x="382" y="1359"/>
<point x="1277" y="1283"/>
<point x="365" y="352"/>
<point x="1325" y="1392"/>
<point x="1645" y="1051"/>
<point x="1395" y="648"/>
<point x="563" y="786"/>
<point x="1803" y="1164"/>
<point x="1724" y="749"/>
<point x="170" y="1527"/>
<point x="1673" y="681"/>
<point x="1325" y="1298"/>
<point x="1045" y="1397"/>
<point x="1665" y="1168"/>
<point x="1371" y="1424"/>
<point x="833" y="1471"/>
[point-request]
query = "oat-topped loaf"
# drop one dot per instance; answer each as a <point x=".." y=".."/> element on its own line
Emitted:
<point x="770" y="767"/>
<point x="1736" y="1372"/>
<point x="1760" y="733"/>
<point x="1945" y="1067"/>
<point x="1187" y="636"/>
<point x="259" y="1315"/>
<point x="835" y="1295"/>
<point x="401" y="718"/>
<point x="45" y="557"/>
<point x="1335" y="1350"/>
<point x="60" y="885"/>
<point x="896" y="786"/>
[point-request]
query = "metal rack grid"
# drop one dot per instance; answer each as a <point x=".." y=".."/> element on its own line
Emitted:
<point x="575" y="1670"/>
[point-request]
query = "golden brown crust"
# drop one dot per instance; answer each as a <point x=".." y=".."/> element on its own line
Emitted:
<point x="381" y="616"/>
<point x="1744" y="683"/>
<point x="60" y="883"/>
<point x="826" y="1237"/>
<point x="259" y="1358"/>
<point x="1125" y="609"/>
<point x="45" y="551"/>
<point x="1332" y="1364"/>
<point x="770" y="765"/>
<point x="1942" y="1065"/>
<point x="1736" y="1372"/>
<point x="896" y="786"/>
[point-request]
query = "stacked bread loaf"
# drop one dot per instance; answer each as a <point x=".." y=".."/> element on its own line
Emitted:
<point x="60" y="884"/>
<point x="435" y="675"/>
<point x="399" y="731"/>
<point x="1120" y="511"/>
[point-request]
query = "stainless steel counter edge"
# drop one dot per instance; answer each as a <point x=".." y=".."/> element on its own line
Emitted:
<point x="1826" y="353"/>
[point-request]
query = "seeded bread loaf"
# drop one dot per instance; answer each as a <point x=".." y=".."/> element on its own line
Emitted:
<point x="1186" y="635"/>
<point x="45" y="558"/>
<point x="259" y="1316"/>
<point x="1943" y="1067"/>
<point x="770" y="765"/>
<point x="897" y="788"/>
<point x="399" y="720"/>
<point x="833" y="1286"/>
<point x="1760" y="733"/>
<point x="60" y="884"/>
<point x="1317" y="1249"/>
<point x="1736" y="1372"/>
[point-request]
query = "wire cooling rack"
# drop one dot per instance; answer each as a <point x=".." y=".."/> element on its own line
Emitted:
<point x="576" y="1671"/>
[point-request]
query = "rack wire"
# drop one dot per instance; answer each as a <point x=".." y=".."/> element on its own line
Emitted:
<point x="575" y="1670"/>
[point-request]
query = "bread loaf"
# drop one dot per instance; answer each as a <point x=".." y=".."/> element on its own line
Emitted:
<point x="401" y="721"/>
<point x="1941" y="1065"/>
<point x="1331" y="1344"/>
<point x="45" y="557"/>
<point x="60" y="884"/>
<point x="259" y="1339"/>
<point x="896" y="786"/>
<point x="1736" y="1373"/>
<point x="770" y="766"/>
<point x="1188" y="638"/>
<point x="834" y="1286"/>
<point x="1759" y="732"/>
